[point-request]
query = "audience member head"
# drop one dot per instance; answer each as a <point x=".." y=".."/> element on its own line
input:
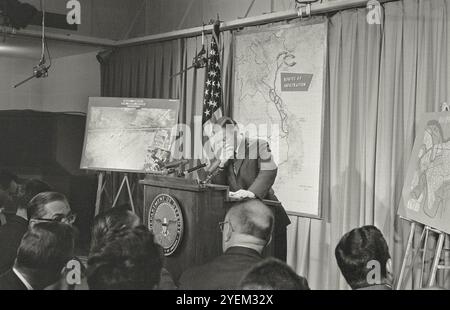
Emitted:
<point x="9" y="182"/>
<point x="363" y="257"/>
<point x="247" y="224"/>
<point x="50" y="206"/>
<point x="129" y="260"/>
<point x="30" y="189"/>
<point x="111" y="221"/>
<point x="272" y="274"/>
<point x="9" y="189"/>
<point x="44" y="252"/>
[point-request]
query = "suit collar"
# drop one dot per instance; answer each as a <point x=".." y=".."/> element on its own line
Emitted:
<point x="22" y="279"/>
<point x="376" y="287"/>
<point x="240" y="250"/>
<point x="18" y="219"/>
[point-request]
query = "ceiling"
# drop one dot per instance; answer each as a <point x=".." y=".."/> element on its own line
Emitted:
<point x="30" y="48"/>
<point x="100" y="19"/>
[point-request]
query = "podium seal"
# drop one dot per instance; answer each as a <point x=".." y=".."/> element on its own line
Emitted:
<point x="165" y="220"/>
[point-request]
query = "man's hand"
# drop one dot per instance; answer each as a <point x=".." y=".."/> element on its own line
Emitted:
<point x="242" y="194"/>
<point x="226" y="152"/>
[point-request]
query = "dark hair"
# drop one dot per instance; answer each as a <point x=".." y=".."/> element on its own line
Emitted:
<point x="252" y="217"/>
<point x="46" y="248"/>
<point x="6" y="177"/>
<point x="129" y="260"/>
<point x="356" y="249"/>
<point x="109" y="222"/>
<point x="273" y="274"/>
<point x="30" y="189"/>
<point x="36" y="207"/>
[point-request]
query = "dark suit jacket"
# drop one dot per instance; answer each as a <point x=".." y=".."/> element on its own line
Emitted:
<point x="379" y="287"/>
<point x="254" y="170"/>
<point x="223" y="273"/>
<point x="9" y="281"/>
<point x="10" y="236"/>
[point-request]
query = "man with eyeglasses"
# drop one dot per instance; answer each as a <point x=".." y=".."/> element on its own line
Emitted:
<point x="246" y="231"/>
<point x="50" y="207"/>
<point x="44" y="206"/>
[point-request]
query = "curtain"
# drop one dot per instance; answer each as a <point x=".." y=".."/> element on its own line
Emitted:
<point x="382" y="79"/>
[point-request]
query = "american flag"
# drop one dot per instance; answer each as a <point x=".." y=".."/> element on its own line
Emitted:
<point x="212" y="102"/>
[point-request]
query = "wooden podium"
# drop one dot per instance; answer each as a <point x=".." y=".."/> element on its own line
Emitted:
<point x="203" y="208"/>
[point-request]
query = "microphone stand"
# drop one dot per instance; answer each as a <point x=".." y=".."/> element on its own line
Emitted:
<point x="199" y="61"/>
<point x="38" y="72"/>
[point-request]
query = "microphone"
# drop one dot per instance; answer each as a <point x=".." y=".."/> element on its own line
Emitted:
<point x="39" y="71"/>
<point x="200" y="61"/>
<point x="196" y="168"/>
<point x="176" y="163"/>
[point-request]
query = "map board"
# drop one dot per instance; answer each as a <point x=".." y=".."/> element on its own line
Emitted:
<point x="279" y="82"/>
<point x="426" y="191"/>
<point x="129" y="135"/>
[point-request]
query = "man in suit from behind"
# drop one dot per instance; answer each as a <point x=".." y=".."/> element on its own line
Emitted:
<point x="246" y="231"/>
<point x="43" y="253"/>
<point x="363" y="258"/>
<point x="116" y="220"/>
<point x="273" y="274"/>
<point x="129" y="259"/>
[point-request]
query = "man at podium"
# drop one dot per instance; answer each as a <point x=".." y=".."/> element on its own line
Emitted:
<point x="248" y="168"/>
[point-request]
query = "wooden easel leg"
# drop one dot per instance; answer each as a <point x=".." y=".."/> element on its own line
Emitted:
<point x="405" y="257"/>
<point x="100" y="189"/>
<point x="130" y="195"/>
<point x="125" y="181"/>
<point x="119" y="191"/>
<point x="427" y="231"/>
<point x="436" y="259"/>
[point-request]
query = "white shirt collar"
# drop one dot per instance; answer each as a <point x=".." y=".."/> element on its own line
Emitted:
<point x="22" y="278"/>
<point x="240" y="147"/>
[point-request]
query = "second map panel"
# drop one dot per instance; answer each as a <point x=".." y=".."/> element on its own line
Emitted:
<point x="279" y="83"/>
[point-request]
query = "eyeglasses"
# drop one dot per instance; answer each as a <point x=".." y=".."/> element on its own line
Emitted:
<point x="60" y="218"/>
<point x="222" y="225"/>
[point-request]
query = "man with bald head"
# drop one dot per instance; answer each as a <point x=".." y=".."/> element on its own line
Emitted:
<point x="246" y="231"/>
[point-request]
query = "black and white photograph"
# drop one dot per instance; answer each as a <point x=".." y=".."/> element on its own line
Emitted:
<point x="223" y="151"/>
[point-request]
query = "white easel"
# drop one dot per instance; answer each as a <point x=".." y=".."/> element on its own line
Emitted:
<point x="422" y="248"/>
<point x="101" y="188"/>
<point x="126" y="181"/>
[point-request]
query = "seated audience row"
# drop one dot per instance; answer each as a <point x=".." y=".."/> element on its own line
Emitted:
<point x="38" y="242"/>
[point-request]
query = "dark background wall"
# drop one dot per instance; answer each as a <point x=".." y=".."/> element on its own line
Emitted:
<point x="48" y="146"/>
